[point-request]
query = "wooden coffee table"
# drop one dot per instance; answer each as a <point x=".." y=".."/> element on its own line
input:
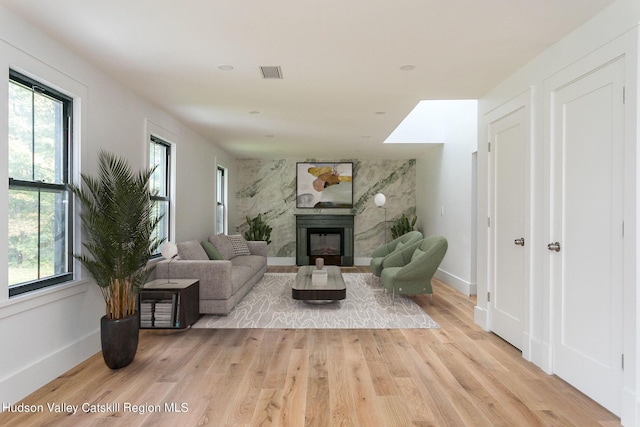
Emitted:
<point x="306" y="290"/>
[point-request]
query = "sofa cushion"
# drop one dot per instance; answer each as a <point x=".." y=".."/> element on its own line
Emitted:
<point x="192" y="250"/>
<point x="239" y="245"/>
<point x="211" y="250"/>
<point x="239" y="276"/>
<point x="223" y="245"/>
<point x="254" y="262"/>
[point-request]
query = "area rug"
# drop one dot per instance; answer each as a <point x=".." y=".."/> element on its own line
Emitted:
<point x="269" y="305"/>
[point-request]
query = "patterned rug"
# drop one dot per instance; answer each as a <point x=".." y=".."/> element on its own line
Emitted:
<point x="269" y="305"/>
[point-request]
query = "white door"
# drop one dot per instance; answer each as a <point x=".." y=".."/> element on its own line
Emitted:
<point x="586" y="226"/>
<point x="508" y="138"/>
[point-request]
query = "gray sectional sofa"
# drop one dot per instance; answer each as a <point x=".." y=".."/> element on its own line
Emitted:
<point x="226" y="266"/>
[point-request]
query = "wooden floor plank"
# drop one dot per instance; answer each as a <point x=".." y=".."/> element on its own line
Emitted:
<point x="342" y="410"/>
<point x="416" y="404"/>
<point x="359" y="379"/>
<point x="242" y="409"/>
<point x="317" y="410"/>
<point x="294" y="394"/>
<point x="277" y="369"/>
<point x="457" y="375"/>
<point x="268" y="408"/>
<point x="318" y="354"/>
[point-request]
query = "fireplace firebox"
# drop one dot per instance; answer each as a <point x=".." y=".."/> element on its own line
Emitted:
<point x="324" y="236"/>
<point x="325" y="243"/>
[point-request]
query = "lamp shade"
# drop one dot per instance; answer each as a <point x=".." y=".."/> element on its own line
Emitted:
<point x="380" y="200"/>
<point x="169" y="250"/>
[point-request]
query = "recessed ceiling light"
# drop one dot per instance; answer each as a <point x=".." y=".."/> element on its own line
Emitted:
<point x="407" y="67"/>
<point x="269" y="136"/>
<point x="380" y="112"/>
<point x="254" y="112"/>
<point x="366" y="136"/>
<point x="225" y="67"/>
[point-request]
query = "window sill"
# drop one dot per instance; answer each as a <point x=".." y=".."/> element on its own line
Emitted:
<point x="40" y="297"/>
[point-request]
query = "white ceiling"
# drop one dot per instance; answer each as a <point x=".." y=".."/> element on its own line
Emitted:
<point x="343" y="91"/>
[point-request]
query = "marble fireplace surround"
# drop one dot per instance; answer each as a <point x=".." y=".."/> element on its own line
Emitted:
<point x="330" y="223"/>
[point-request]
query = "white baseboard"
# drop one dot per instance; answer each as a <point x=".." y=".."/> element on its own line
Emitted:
<point x="535" y="351"/>
<point x="456" y="282"/>
<point x="526" y="346"/>
<point x="630" y="411"/>
<point x="20" y="384"/>
<point x="538" y="353"/>
<point x="362" y="261"/>
<point x="281" y="261"/>
<point x="480" y="317"/>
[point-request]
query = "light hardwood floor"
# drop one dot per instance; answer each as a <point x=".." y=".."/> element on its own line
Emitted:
<point x="458" y="375"/>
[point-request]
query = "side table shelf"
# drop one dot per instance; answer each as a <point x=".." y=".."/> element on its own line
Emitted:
<point x="169" y="305"/>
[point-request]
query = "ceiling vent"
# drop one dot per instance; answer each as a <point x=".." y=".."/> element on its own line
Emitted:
<point x="271" y="72"/>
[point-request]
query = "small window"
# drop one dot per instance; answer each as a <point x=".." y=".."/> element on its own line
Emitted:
<point x="160" y="158"/>
<point x="221" y="199"/>
<point x="40" y="220"/>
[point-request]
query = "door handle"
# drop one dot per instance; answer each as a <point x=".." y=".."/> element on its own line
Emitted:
<point x="555" y="246"/>
<point x="519" y="242"/>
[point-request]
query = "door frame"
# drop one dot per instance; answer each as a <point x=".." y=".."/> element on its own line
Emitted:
<point x="524" y="102"/>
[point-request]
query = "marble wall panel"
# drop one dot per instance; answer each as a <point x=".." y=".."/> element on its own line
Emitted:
<point x="269" y="187"/>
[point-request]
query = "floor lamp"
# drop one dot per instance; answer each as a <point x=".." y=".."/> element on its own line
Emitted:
<point x="380" y="200"/>
<point x="169" y="251"/>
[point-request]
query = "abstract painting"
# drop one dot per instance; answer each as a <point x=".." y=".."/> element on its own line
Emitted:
<point x="324" y="185"/>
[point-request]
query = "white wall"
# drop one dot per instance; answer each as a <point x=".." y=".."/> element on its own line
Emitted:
<point x="611" y="33"/>
<point x="443" y="191"/>
<point x="46" y="333"/>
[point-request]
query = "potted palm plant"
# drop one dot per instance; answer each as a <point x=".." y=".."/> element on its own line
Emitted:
<point x="118" y="220"/>
<point x="402" y="225"/>
<point x="258" y="229"/>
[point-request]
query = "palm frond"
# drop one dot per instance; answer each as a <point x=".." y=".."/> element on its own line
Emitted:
<point x="118" y="222"/>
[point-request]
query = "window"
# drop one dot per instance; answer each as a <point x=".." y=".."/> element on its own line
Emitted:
<point x="221" y="198"/>
<point x="40" y="220"/>
<point x="160" y="158"/>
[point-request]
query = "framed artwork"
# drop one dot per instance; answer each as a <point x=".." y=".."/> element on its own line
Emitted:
<point x="324" y="185"/>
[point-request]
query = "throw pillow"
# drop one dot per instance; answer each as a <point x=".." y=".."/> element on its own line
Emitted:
<point x="192" y="250"/>
<point x="239" y="245"/>
<point x="416" y="254"/>
<point x="211" y="250"/>
<point x="223" y="245"/>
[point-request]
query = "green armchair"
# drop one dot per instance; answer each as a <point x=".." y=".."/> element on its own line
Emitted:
<point x="409" y="270"/>
<point x="378" y="256"/>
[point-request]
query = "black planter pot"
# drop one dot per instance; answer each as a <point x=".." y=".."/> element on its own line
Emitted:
<point x="119" y="340"/>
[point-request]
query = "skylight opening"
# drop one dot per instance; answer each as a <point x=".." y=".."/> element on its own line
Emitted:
<point x="429" y="121"/>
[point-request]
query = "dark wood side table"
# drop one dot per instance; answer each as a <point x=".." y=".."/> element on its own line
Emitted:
<point x="169" y="304"/>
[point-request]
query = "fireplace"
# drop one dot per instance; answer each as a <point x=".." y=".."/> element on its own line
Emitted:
<point x="324" y="236"/>
<point x="325" y="243"/>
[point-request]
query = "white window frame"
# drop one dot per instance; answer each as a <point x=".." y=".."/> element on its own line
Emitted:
<point x="224" y="188"/>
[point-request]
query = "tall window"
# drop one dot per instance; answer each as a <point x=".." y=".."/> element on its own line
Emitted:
<point x="160" y="158"/>
<point x="40" y="230"/>
<point x="221" y="198"/>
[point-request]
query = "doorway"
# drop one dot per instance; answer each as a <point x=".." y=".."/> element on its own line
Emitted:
<point x="509" y="240"/>
<point x="586" y="227"/>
